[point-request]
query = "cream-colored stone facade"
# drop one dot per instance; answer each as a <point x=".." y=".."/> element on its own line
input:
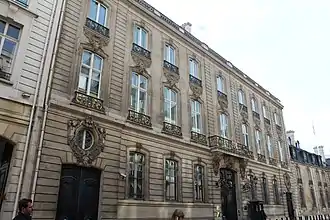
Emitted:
<point x="25" y="29"/>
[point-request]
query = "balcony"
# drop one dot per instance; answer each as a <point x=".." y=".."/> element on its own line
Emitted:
<point x="256" y="115"/>
<point x="170" y="67"/>
<point x="90" y="102"/>
<point x="218" y="143"/>
<point x="299" y="181"/>
<point x="195" y="80"/>
<point x="141" y="51"/>
<point x="267" y="121"/>
<point x="262" y="158"/>
<point x="198" y="138"/>
<point x="272" y="161"/>
<point x="278" y="128"/>
<point x="319" y="184"/>
<point x="98" y="28"/>
<point x="172" y="129"/>
<point x="246" y="149"/>
<point x="284" y="165"/>
<point x="139" y="118"/>
<point x="243" y="108"/>
<point x="310" y="182"/>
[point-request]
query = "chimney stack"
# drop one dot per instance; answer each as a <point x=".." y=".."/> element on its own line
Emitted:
<point x="316" y="151"/>
<point x="187" y="26"/>
<point x="321" y="152"/>
<point x="290" y="137"/>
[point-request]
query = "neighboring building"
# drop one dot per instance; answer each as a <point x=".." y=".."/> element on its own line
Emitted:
<point x="27" y="34"/>
<point x="144" y="119"/>
<point x="310" y="179"/>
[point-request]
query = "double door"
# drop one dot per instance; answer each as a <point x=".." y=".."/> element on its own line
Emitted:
<point x="79" y="193"/>
<point x="228" y="194"/>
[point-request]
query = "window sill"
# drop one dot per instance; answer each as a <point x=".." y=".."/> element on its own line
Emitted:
<point x="5" y="81"/>
<point x="13" y="4"/>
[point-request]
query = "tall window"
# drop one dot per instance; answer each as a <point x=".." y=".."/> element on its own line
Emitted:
<point x="245" y="135"/>
<point x="254" y="105"/>
<point x="199" y="183"/>
<point x="136" y="175"/>
<point x="140" y="37"/>
<point x="221" y="84"/>
<point x="298" y="172"/>
<point x="196" y="120"/>
<point x="280" y="151"/>
<point x="9" y="37"/>
<point x="276" y="194"/>
<point x="98" y="12"/>
<point x="193" y="68"/>
<point x="302" y="196"/>
<point x="258" y="141"/>
<point x="90" y="73"/>
<point x="170" y="54"/>
<point x="269" y="147"/>
<point x="241" y="97"/>
<point x="276" y="119"/>
<point x="139" y="93"/>
<point x="264" y="189"/>
<point x="170" y="106"/>
<point x="171" y="179"/>
<point x="224" y="129"/>
<point x="265" y="112"/>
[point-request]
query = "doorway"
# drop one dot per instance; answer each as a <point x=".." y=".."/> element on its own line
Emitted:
<point x="79" y="191"/>
<point x="290" y="205"/>
<point x="228" y="194"/>
<point x="6" y="150"/>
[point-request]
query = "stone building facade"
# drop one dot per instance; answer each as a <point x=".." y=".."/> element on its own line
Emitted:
<point x="310" y="179"/>
<point x="143" y="121"/>
<point x="27" y="36"/>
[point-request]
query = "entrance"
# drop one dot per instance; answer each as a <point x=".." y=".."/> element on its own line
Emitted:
<point x="290" y="205"/>
<point x="78" y="197"/>
<point x="228" y="194"/>
<point x="6" y="150"/>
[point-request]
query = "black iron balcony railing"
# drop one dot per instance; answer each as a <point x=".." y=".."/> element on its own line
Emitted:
<point x="246" y="150"/>
<point x="220" y="143"/>
<point x="256" y="115"/>
<point x="139" y="118"/>
<point x="97" y="27"/>
<point x="195" y="80"/>
<point x="170" y="67"/>
<point x="267" y="121"/>
<point x="141" y="51"/>
<point x="284" y="165"/>
<point x="243" y="108"/>
<point x="299" y="180"/>
<point x="262" y="158"/>
<point x="198" y="138"/>
<point x="90" y="102"/>
<point x="172" y="129"/>
<point x="272" y="161"/>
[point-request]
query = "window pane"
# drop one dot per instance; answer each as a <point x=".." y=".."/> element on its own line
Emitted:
<point x="167" y="112"/>
<point x="143" y="82"/>
<point x="198" y="117"/>
<point x="137" y="35"/>
<point x="93" y="10"/>
<point x="198" y="107"/>
<point x="13" y="31"/>
<point x="173" y="96"/>
<point x="83" y="78"/>
<point x="171" y="55"/>
<point x="142" y="102"/>
<point x="143" y="39"/>
<point x="94" y="87"/>
<point x="219" y="84"/>
<point x="102" y="15"/>
<point x="173" y="113"/>
<point x="97" y="62"/>
<point x="2" y="26"/>
<point x="8" y="48"/>
<point x="86" y="59"/>
<point x="134" y="97"/>
<point x="134" y="79"/>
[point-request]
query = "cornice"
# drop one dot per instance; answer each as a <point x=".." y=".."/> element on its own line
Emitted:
<point x="157" y="15"/>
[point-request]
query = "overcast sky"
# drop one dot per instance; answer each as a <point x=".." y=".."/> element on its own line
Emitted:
<point x="283" y="45"/>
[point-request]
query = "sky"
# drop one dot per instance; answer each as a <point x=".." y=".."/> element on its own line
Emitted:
<point x="283" y="45"/>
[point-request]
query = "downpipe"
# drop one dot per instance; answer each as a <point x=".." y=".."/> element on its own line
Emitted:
<point x="32" y="114"/>
<point x="46" y="102"/>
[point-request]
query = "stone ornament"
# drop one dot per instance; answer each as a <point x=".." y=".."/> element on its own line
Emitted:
<point x="196" y="89"/>
<point x="287" y="181"/>
<point x="86" y="139"/>
<point x="242" y="168"/>
<point x="177" y="215"/>
<point x="223" y="102"/>
<point x="172" y="78"/>
<point x="141" y="61"/>
<point x="96" y="41"/>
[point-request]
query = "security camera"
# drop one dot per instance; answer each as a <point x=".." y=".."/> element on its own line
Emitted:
<point x="123" y="175"/>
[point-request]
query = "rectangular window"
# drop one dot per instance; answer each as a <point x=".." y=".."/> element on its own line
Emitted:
<point x="90" y="74"/>
<point x="224" y="130"/>
<point x="276" y="119"/>
<point x="170" y="54"/>
<point x="258" y="141"/>
<point x="141" y="37"/>
<point x="302" y="196"/>
<point x="136" y="175"/>
<point x="264" y="111"/>
<point x="269" y="147"/>
<point x="245" y="135"/>
<point x="9" y="39"/>
<point x="221" y="84"/>
<point x="171" y="179"/>
<point x="193" y="68"/>
<point x="139" y="87"/>
<point x="276" y="194"/>
<point x="241" y="97"/>
<point x="280" y="151"/>
<point x="98" y="12"/>
<point x="199" y="183"/>
<point x="254" y="105"/>
<point x="23" y="2"/>
<point x="170" y="106"/>
<point x="196" y="116"/>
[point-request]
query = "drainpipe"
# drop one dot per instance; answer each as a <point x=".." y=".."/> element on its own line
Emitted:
<point x="33" y="111"/>
<point x="46" y="102"/>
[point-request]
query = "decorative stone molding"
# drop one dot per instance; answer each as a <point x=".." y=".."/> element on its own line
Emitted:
<point x="178" y="215"/>
<point x="196" y="87"/>
<point x="96" y="40"/>
<point x="222" y="100"/>
<point x="171" y="73"/>
<point x="93" y="143"/>
<point x="141" y="57"/>
<point x="242" y="167"/>
<point x="287" y="181"/>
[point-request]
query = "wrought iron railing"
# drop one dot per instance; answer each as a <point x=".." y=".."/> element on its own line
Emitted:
<point x="172" y="129"/>
<point x="261" y="158"/>
<point x="243" y="107"/>
<point x="141" y="51"/>
<point x="256" y="115"/>
<point x="195" y="80"/>
<point x="170" y="67"/>
<point x="139" y="118"/>
<point x="198" y="138"/>
<point x="97" y="27"/>
<point x="272" y="161"/>
<point x="87" y="101"/>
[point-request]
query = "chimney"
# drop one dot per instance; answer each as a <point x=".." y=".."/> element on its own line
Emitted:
<point x="316" y="151"/>
<point x="321" y="151"/>
<point x="187" y="26"/>
<point x="290" y="137"/>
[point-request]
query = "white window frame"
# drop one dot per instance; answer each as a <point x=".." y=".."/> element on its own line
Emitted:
<point x="4" y="36"/>
<point x="193" y="68"/>
<point x="221" y="84"/>
<point x="197" y="129"/>
<point x="254" y="105"/>
<point x="258" y="141"/>
<point x="99" y="4"/>
<point x="90" y="72"/>
<point x="138" y="89"/>
<point x="245" y="133"/>
<point x="241" y="97"/>
<point x="265" y="112"/>
<point x="167" y="53"/>
<point x="269" y="146"/>
<point x="140" y="31"/>
<point x="171" y="103"/>
<point x="224" y="126"/>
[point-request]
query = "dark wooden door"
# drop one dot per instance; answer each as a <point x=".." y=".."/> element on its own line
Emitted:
<point x="78" y="197"/>
<point x="290" y="205"/>
<point x="228" y="194"/>
<point x="6" y="150"/>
